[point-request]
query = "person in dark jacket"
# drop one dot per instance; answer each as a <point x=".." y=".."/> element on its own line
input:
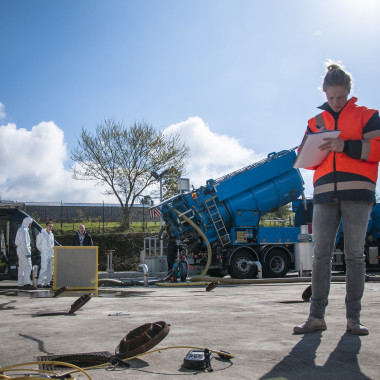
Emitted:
<point x="82" y="238"/>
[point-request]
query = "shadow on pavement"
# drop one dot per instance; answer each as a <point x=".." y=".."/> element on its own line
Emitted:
<point x="300" y="363"/>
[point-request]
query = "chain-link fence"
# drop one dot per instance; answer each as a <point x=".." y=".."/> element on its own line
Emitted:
<point x="72" y="212"/>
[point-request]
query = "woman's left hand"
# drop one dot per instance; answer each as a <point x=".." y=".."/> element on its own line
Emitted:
<point x="332" y="145"/>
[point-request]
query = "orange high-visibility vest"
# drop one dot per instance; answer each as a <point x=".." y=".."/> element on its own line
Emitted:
<point x="350" y="175"/>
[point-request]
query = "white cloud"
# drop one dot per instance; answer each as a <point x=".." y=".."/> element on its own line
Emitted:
<point x="2" y="112"/>
<point x="212" y="155"/>
<point x="32" y="167"/>
<point x="33" y="162"/>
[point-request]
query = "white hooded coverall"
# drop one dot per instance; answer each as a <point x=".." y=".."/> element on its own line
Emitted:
<point x="24" y="253"/>
<point x="45" y="244"/>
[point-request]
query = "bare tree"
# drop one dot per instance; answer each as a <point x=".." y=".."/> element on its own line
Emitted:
<point x="170" y="182"/>
<point x="124" y="158"/>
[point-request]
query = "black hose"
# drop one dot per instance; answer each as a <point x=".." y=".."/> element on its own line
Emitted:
<point x="116" y="282"/>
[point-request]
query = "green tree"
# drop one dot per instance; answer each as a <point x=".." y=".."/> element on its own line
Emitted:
<point x="282" y="212"/>
<point x="123" y="159"/>
<point x="170" y="183"/>
<point x="147" y="200"/>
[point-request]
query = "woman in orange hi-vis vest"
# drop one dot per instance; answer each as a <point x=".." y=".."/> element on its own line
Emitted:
<point x="344" y="190"/>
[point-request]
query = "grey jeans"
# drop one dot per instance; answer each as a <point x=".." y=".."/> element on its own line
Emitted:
<point x="326" y="220"/>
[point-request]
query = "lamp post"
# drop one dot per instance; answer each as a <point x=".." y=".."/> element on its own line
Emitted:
<point x="103" y="216"/>
<point x="142" y="201"/>
<point x="159" y="177"/>
<point x="61" y="214"/>
<point x="143" y="216"/>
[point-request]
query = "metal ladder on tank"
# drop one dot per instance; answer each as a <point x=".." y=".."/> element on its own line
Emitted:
<point x="217" y="221"/>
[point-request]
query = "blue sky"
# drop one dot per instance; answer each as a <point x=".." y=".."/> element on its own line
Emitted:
<point x="243" y="74"/>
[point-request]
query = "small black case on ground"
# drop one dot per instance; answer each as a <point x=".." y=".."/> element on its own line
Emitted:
<point x="195" y="359"/>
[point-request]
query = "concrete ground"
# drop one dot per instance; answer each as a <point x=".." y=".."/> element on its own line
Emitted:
<point x="252" y="322"/>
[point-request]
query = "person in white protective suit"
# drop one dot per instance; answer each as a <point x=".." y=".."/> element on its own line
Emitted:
<point x="45" y="244"/>
<point x="24" y="254"/>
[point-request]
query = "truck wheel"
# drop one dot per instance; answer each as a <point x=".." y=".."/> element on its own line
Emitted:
<point x="276" y="263"/>
<point x="239" y="267"/>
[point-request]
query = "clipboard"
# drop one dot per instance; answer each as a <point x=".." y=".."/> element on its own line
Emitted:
<point x="309" y="154"/>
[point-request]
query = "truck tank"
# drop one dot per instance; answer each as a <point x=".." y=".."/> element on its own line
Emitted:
<point x="236" y="200"/>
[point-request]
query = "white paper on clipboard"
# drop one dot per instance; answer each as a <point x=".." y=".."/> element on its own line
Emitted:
<point x="309" y="153"/>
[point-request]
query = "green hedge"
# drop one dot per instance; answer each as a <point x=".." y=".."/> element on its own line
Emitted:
<point x="127" y="248"/>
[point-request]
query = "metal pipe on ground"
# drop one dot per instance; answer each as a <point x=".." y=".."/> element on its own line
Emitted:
<point x="272" y="280"/>
<point x="114" y="281"/>
<point x="205" y="280"/>
<point x="261" y="280"/>
<point x="145" y="270"/>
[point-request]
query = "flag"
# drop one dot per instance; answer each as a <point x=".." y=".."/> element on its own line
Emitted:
<point x="155" y="212"/>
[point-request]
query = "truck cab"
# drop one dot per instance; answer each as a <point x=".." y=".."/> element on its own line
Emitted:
<point x="11" y="217"/>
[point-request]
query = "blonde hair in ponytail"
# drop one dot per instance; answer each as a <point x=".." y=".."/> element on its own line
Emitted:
<point x="336" y="76"/>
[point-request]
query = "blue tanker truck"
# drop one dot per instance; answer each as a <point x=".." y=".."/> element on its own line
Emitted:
<point x="221" y="220"/>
